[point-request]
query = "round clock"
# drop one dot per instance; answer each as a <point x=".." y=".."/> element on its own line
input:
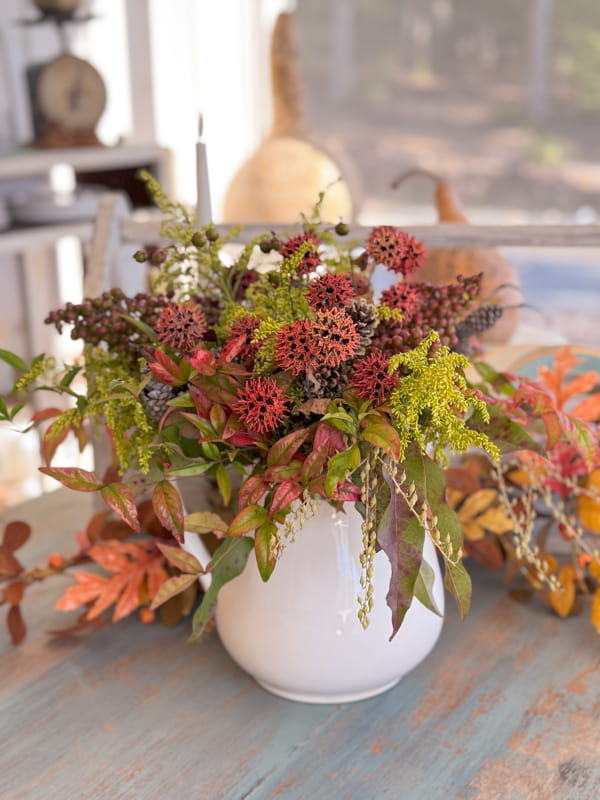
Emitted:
<point x="70" y="93"/>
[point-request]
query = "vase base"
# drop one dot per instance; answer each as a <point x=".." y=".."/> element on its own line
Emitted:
<point x="328" y="697"/>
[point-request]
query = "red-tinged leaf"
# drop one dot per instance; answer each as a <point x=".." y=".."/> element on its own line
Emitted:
<point x="385" y="437"/>
<point x="16" y="534"/>
<point x="120" y="498"/>
<point x="46" y="413"/>
<point x="203" y="361"/>
<point x="87" y="588"/>
<point x="458" y="582"/>
<point x="247" y="520"/>
<point x="265" y="557"/>
<point x="167" y="504"/>
<point x="329" y="439"/>
<point x="167" y="363"/>
<point x="202" y="401"/>
<point x="130" y="598"/>
<point x="340" y="466"/>
<point x="110" y="556"/>
<point x="291" y="471"/>
<point x="218" y="418"/>
<point x="53" y="437"/>
<point x="13" y="593"/>
<point x="251" y="491"/>
<point x="172" y="587"/>
<point x="285" y="494"/>
<point x="16" y="625"/>
<point x="74" y="478"/>
<point x="487" y="551"/>
<point x="243" y="438"/>
<point x="314" y="464"/>
<point x="401" y="536"/>
<point x="185" y="562"/>
<point x="283" y="451"/>
<point x="9" y="565"/>
<point x="163" y="375"/>
<point x="553" y="427"/>
<point x="232" y="349"/>
<point x="347" y="492"/>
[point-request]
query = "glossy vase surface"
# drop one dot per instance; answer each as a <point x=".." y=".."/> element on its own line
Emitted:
<point x="298" y="634"/>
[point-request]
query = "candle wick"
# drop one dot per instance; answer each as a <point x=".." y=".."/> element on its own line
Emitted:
<point x="200" y="124"/>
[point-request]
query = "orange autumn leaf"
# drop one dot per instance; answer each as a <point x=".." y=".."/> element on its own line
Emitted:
<point x="595" y="613"/>
<point x="138" y="572"/>
<point x="594" y="569"/>
<point x="588" y="508"/>
<point x="562" y="599"/>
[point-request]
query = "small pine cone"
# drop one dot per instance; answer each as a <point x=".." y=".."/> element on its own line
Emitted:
<point x="478" y="321"/>
<point x="155" y="396"/>
<point x="324" y="382"/>
<point x="364" y="317"/>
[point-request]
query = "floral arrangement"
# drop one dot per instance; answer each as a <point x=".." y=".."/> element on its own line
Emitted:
<point x="281" y="378"/>
<point x="539" y="517"/>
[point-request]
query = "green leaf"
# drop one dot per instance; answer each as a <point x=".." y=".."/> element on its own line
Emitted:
<point x="205" y="522"/>
<point x="224" y="483"/>
<point x="167" y="505"/>
<point x="385" y="437"/>
<point x="74" y="478"/>
<point x="67" y="379"/>
<point x="13" y="360"/>
<point x="171" y="588"/>
<point x="457" y="581"/>
<point x="342" y="421"/>
<point x="248" y="520"/>
<point x="182" y="400"/>
<point x="424" y="588"/>
<point x="185" y="562"/>
<point x="228" y="562"/>
<point x="265" y="558"/>
<point x="340" y="466"/>
<point x="141" y="326"/>
<point x="507" y="435"/>
<point x="120" y="498"/>
<point x="4" y="410"/>
<point x="430" y="483"/>
<point x="282" y="452"/>
<point x="189" y="471"/>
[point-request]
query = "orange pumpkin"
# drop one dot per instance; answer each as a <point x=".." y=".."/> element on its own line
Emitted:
<point x="500" y="281"/>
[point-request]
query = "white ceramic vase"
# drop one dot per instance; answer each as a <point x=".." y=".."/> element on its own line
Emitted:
<point x="298" y="634"/>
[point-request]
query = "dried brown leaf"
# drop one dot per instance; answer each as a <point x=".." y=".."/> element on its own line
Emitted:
<point x="16" y="534"/>
<point x="16" y="624"/>
<point x="14" y="592"/>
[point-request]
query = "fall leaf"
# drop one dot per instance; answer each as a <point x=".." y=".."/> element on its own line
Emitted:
<point x="13" y="593"/>
<point x="595" y="613"/>
<point x="562" y="599"/>
<point x="138" y="572"/>
<point x="16" y="624"/>
<point x="16" y="534"/>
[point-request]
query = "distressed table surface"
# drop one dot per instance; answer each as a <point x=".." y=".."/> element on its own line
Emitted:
<point x="507" y="707"/>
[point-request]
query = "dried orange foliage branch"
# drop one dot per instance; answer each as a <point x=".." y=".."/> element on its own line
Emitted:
<point x="537" y="517"/>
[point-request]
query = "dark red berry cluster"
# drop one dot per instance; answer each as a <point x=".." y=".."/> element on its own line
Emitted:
<point x="102" y="320"/>
<point x="441" y="308"/>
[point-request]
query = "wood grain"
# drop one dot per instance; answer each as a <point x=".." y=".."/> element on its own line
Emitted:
<point x="507" y="707"/>
<point x="443" y="234"/>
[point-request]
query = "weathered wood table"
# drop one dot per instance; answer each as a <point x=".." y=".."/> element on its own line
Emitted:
<point x="507" y="707"/>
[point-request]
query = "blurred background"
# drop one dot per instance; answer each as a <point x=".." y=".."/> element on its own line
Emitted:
<point x="499" y="99"/>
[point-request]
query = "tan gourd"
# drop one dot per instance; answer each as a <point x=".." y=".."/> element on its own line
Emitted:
<point x="501" y="282"/>
<point x="284" y="177"/>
